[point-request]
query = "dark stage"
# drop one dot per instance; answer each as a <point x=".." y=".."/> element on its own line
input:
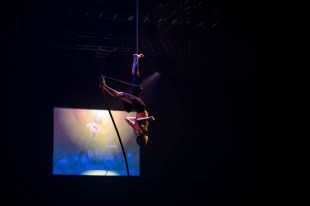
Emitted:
<point x="204" y="66"/>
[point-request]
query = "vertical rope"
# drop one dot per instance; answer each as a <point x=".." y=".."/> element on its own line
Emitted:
<point x="119" y="138"/>
<point x="137" y="26"/>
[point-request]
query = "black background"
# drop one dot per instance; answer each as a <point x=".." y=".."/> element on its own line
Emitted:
<point x="206" y="145"/>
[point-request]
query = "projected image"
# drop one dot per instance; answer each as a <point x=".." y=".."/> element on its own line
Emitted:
<point x="86" y="143"/>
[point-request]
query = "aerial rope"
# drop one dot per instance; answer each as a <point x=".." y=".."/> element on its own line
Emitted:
<point x="135" y="85"/>
<point x="119" y="138"/>
<point x="106" y="101"/>
<point x="137" y="26"/>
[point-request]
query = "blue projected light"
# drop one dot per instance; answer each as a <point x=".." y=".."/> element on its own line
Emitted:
<point x="86" y="143"/>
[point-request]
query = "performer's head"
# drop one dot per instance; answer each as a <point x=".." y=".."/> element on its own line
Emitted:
<point x="142" y="140"/>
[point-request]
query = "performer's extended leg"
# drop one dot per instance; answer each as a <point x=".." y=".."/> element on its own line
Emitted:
<point x="135" y="64"/>
<point x="121" y="95"/>
<point x="136" y="78"/>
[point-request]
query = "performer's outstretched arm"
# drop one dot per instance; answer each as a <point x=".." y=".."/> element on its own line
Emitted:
<point x="146" y="118"/>
<point x="131" y="121"/>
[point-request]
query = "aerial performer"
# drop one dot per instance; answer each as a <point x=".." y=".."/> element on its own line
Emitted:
<point x="133" y="102"/>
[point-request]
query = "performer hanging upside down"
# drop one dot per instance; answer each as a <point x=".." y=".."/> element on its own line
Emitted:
<point x="133" y="102"/>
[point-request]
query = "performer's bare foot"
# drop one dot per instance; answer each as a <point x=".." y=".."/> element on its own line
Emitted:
<point x="139" y="56"/>
<point x="102" y="82"/>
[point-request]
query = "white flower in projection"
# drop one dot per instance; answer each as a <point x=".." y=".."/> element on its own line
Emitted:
<point x="94" y="128"/>
<point x="95" y="125"/>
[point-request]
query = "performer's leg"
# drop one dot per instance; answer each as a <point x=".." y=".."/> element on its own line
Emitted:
<point x="136" y="78"/>
<point x="108" y="89"/>
<point x="135" y="64"/>
<point x="121" y="95"/>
